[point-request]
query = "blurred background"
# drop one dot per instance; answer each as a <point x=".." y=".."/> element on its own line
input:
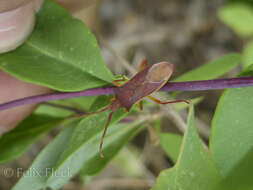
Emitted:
<point x="187" y="33"/>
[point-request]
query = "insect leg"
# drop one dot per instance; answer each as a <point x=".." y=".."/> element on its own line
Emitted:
<point x="168" y="102"/>
<point x="112" y="99"/>
<point x="143" y="65"/>
<point x="116" y="82"/>
<point x="140" y="105"/>
<point x="124" y="110"/>
<point x="103" y="136"/>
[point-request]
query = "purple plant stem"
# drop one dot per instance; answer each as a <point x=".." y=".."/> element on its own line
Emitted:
<point x="208" y="84"/>
<point x="170" y="86"/>
<point x="55" y="96"/>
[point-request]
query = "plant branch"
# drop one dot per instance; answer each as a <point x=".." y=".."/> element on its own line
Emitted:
<point x="208" y="84"/>
<point x="170" y="86"/>
<point x="56" y="96"/>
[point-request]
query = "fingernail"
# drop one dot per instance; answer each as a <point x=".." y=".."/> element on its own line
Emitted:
<point x="15" y="26"/>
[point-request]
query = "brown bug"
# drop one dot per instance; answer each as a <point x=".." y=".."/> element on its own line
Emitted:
<point x="148" y="80"/>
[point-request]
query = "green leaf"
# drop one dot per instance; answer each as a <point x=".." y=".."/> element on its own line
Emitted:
<point x="247" y="72"/>
<point x="171" y="143"/>
<point x="194" y="169"/>
<point x="247" y="56"/>
<point x="213" y="69"/>
<point x="17" y="141"/>
<point x="231" y="142"/>
<point x="61" y="53"/>
<point x="238" y="16"/>
<point x="36" y="176"/>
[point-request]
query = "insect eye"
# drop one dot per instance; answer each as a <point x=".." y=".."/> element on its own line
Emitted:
<point x="160" y="72"/>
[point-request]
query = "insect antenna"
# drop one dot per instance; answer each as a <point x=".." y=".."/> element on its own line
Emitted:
<point x="103" y="136"/>
<point x="91" y="113"/>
